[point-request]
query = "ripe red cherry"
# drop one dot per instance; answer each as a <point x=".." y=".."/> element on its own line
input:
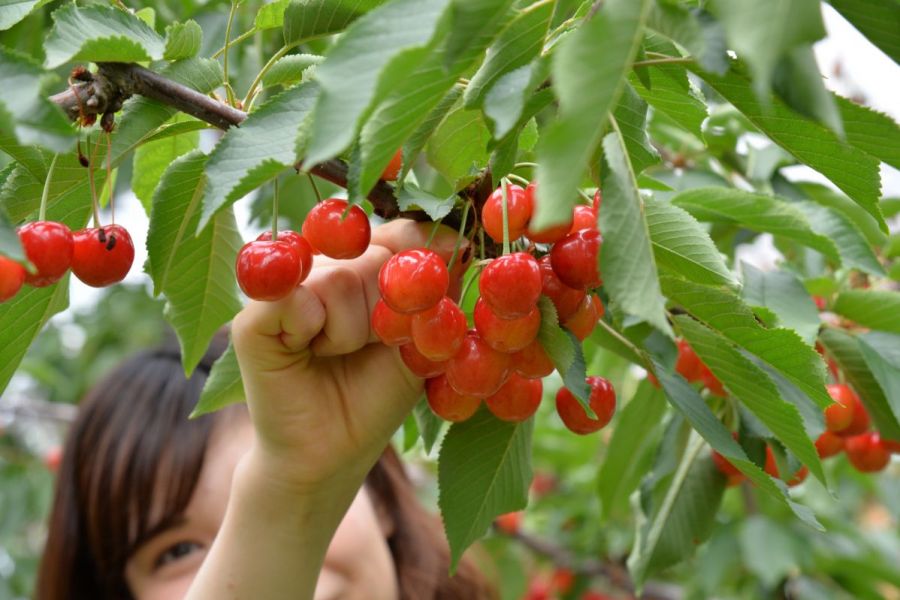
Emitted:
<point x="12" y="276"/>
<point x="418" y="364"/>
<point x="477" y="369"/>
<point x="506" y="335"/>
<point x="829" y="444"/>
<point x="584" y="320"/>
<point x="551" y="234"/>
<point x="867" y="453"/>
<point x="602" y="401"/>
<point x="329" y="233"/>
<point x="517" y="399"/>
<point x="511" y="285"/>
<point x="413" y="280"/>
<point x="574" y="258"/>
<point x="532" y="361"/>
<point x="391" y="327"/>
<point x="102" y="256"/>
<point x="567" y="300"/>
<point x="447" y="403"/>
<point x="392" y="170"/>
<point x="438" y="332"/>
<point x="688" y="363"/>
<point x="268" y="270"/>
<point x="48" y="246"/>
<point x="304" y="250"/>
<point x="724" y="466"/>
<point x="583" y="217"/>
<point x="847" y="416"/>
<point x="518" y="213"/>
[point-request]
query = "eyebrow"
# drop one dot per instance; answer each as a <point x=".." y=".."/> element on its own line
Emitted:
<point x="166" y="524"/>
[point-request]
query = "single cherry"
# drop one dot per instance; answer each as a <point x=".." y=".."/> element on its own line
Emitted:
<point x="511" y="285"/>
<point x="510" y="523"/>
<point x="574" y="259"/>
<point x="567" y="300"/>
<point x="268" y="270"/>
<point x="584" y="320"/>
<point x="602" y="401"/>
<point x="299" y="243"/>
<point x="102" y="256"/>
<point x="418" y="364"/>
<point x="772" y="469"/>
<point x="688" y="364"/>
<point x="438" y="332"/>
<point x="329" y="232"/>
<point x="392" y="170"/>
<point x="583" y="217"/>
<point x="447" y="403"/>
<point x="49" y="247"/>
<point x="413" y="280"/>
<point x="506" y="335"/>
<point x="712" y="382"/>
<point x="893" y="446"/>
<point x="867" y="453"/>
<point x="12" y="276"/>
<point x="532" y="361"/>
<point x="724" y="466"/>
<point x="549" y="235"/>
<point x="829" y="444"/>
<point x="477" y="369"/>
<point x="517" y="399"/>
<point x="518" y="213"/>
<point x="391" y="327"/>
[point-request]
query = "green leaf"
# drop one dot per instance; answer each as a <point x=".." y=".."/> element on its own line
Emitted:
<point x="473" y="19"/>
<point x="151" y="160"/>
<point x="826" y="196"/>
<point x="257" y="151"/>
<point x="289" y="69"/>
<point x="682" y="245"/>
<point x="587" y="91"/>
<point x="10" y="246"/>
<point x="429" y="424"/>
<point x="782" y="349"/>
<point x="754" y="389"/>
<point x="876" y="19"/>
<point x="416" y="142"/>
<point x="510" y="101"/>
<point x="196" y="273"/>
<point x="702" y="36"/>
<point x="673" y="95"/>
<point x="851" y="243"/>
<point x="783" y="294"/>
<point x="518" y="44"/>
<point x="846" y="351"/>
<point x="411" y="196"/>
<point x="305" y="19"/>
<point x="849" y="168"/>
<point x="799" y="83"/>
<point x="25" y="110"/>
<point x="270" y="15"/>
<point x="374" y="55"/>
<point x="223" y="387"/>
<point x="756" y="212"/>
<point x="458" y="148"/>
<point x="626" y="258"/>
<point x="183" y="40"/>
<point x="875" y="133"/>
<point x="631" y="116"/>
<point x="564" y="350"/>
<point x="882" y="354"/>
<point x="770" y="551"/>
<point x="876" y="309"/>
<point x="100" y="33"/>
<point x="484" y="470"/>
<point x="13" y="11"/>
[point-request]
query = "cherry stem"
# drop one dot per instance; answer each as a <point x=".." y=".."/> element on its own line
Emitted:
<point x="94" y="204"/>
<point x="315" y="188"/>
<point x="109" y="179"/>
<point x="475" y="273"/>
<point x="251" y="92"/>
<point x="45" y="193"/>
<point x="433" y="232"/>
<point x="584" y="195"/>
<point x="275" y="210"/>
<point x="504" y="184"/>
<point x="521" y="180"/>
<point x="461" y="234"/>
<point x="519" y="165"/>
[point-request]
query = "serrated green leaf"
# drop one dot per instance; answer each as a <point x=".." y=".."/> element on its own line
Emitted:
<point x="682" y="245"/>
<point x="784" y="294"/>
<point x="631" y="116"/>
<point x="673" y="95"/>
<point x="304" y="19"/>
<point x="754" y="389"/>
<point x="473" y="19"/>
<point x="428" y="424"/>
<point x="826" y="196"/>
<point x="484" y="470"/>
<point x="223" y="387"/>
<point x="851" y="244"/>
<point x="270" y="15"/>
<point x="757" y="212"/>
<point x="152" y="158"/>
<point x="799" y="83"/>
<point x="564" y="350"/>
<point x="257" y="151"/>
<point x="876" y="19"/>
<point x="458" y="148"/>
<point x="770" y="551"/>
<point x="626" y="257"/>
<point x="289" y="69"/>
<point x="875" y="133"/>
<point x="10" y="246"/>
<point x="846" y="351"/>
<point x="375" y="53"/>
<point x="196" y="273"/>
<point x="100" y="33"/>
<point x="882" y="354"/>
<point x="703" y="37"/>
<point x="183" y="40"/>
<point x="587" y="91"/>
<point x="13" y="11"/>
<point x="411" y="196"/>
<point x="877" y="309"/>
<point x="506" y="103"/>
<point x="416" y="142"/>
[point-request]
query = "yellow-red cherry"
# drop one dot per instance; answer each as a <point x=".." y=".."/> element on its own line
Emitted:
<point x="12" y="277"/>
<point x="517" y="399"/>
<point x="438" y="332"/>
<point x="548" y="235"/>
<point x="506" y="335"/>
<point x="447" y="403"/>
<point x="532" y="361"/>
<point x="328" y="231"/>
<point x="418" y="364"/>
<point x="413" y="280"/>
<point x="867" y="453"/>
<point x="268" y="270"/>
<point x="48" y="246"/>
<point x="477" y="369"/>
<point x="299" y="243"/>
<point x="511" y="285"/>
<point x="575" y="259"/>
<point x="102" y="256"/>
<point x="602" y="401"/>
<point x="391" y="327"/>
<point x="518" y="213"/>
<point x="567" y="300"/>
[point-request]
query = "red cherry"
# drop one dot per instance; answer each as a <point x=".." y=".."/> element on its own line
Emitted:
<point x="413" y="280"/>
<point x="772" y="469"/>
<point x="509" y="523"/>
<point x="732" y="473"/>
<point x="518" y="213"/>
<point x="446" y="403"/>
<point x="584" y="320"/>
<point x="598" y="200"/>
<point x="102" y="256"/>
<point x="820" y="303"/>
<point x="506" y="335"/>
<point x="551" y="234"/>
<point x="511" y="285"/>
<point x="53" y="458"/>
<point x="574" y="259"/>
<point x="12" y="276"/>
<point x="562" y="580"/>
<point x="392" y="170"/>
<point x="688" y="363"/>
<point x="839" y="415"/>
<point x="418" y="364"/>
<point x="268" y="270"/>
<point x="892" y="446"/>
<point x="438" y="332"/>
<point x="532" y="361"/>
<point x="517" y="399"/>
<point x="391" y="327"/>
<point x="299" y="243"/>
<point x="329" y="232"/>
<point x="567" y="300"/>
<point x="49" y="247"/>
<point x="602" y="401"/>
<point x="477" y="369"/>
<point x="867" y="453"/>
<point x="583" y="217"/>
<point x="711" y="382"/>
<point x="829" y="444"/>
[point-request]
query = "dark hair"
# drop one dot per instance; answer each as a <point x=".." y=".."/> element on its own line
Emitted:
<point x="131" y="462"/>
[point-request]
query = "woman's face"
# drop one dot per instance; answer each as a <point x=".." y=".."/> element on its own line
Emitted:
<point x="358" y="563"/>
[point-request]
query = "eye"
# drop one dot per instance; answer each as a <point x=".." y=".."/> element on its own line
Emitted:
<point x="176" y="552"/>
